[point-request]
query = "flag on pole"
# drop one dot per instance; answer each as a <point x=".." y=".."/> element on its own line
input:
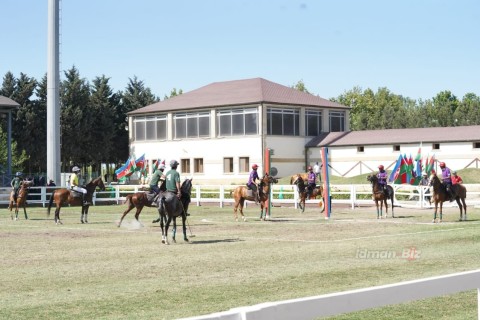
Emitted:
<point x="125" y="170"/>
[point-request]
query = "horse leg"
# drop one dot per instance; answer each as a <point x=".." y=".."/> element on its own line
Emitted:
<point x="464" y="210"/>
<point x="235" y="207"/>
<point x="184" y="220"/>
<point x="162" y="225"/>
<point x="441" y="212"/>
<point x="137" y="214"/>
<point x="386" y="207"/>
<point x="435" y="212"/>
<point x="378" y="209"/>
<point x="393" y="213"/>
<point x="86" y="213"/>
<point x="57" y="216"/>
<point x="25" y="211"/>
<point x="166" y="229"/>
<point x="174" y="229"/>
<point x="130" y="207"/>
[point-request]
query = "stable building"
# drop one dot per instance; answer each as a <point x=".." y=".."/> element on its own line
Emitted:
<point x="217" y="132"/>
<point x="359" y="152"/>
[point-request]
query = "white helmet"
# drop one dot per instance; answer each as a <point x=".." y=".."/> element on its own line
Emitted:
<point x="75" y="169"/>
<point x="162" y="167"/>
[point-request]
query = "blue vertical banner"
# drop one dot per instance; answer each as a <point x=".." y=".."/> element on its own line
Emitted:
<point x="326" y="181"/>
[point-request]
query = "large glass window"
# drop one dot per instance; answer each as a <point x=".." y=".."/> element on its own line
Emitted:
<point x="337" y="121"/>
<point x="283" y="122"/>
<point x="237" y="122"/>
<point x="313" y="122"/>
<point x="150" y="128"/>
<point x="191" y="125"/>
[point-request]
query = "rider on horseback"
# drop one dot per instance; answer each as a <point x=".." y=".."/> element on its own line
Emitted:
<point x="251" y="183"/>
<point x="173" y="179"/>
<point x="311" y="178"/>
<point x="447" y="180"/>
<point x="16" y="183"/>
<point x="157" y="176"/>
<point x="75" y="187"/>
<point x="382" y="179"/>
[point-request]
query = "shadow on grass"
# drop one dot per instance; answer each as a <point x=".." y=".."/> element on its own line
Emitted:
<point x="216" y="241"/>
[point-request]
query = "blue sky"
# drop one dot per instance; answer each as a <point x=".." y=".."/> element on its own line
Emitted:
<point x="415" y="48"/>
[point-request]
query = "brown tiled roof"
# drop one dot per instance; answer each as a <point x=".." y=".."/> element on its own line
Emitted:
<point x="7" y="103"/>
<point x="396" y="136"/>
<point x="238" y="92"/>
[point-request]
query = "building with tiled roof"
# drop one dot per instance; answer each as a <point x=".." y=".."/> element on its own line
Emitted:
<point x="217" y="132"/>
<point x="358" y="152"/>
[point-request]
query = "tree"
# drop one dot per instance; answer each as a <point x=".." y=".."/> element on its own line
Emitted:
<point x="75" y="119"/>
<point x="173" y="93"/>
<point x="300" y="86"/>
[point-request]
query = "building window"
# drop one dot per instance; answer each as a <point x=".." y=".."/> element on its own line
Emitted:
<point x="237" y="122"/>
<point x="476" y="145"/>
<point x="191" y="125"/>
<point x="360" y="149"/>
<point x="436" y="146"/>
<point x="228" y="165"/>
<point x="244" y="164"/>
<point x="150" y="128"/>
<point x="313" y="123"/>
<point x="337" y="121"/>
<point x="198" y="165"/>
<point x="185" y="165"/>
<point x="284" y="122"/>
<point x="396" y="147"/>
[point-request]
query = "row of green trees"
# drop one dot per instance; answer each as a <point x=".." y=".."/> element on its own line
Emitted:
<point x="93" y="116"/>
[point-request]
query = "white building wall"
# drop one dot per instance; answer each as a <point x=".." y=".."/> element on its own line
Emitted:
<point x="348" y="161"/>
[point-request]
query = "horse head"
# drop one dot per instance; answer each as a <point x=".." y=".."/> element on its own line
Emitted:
<point x="186" y="187"/>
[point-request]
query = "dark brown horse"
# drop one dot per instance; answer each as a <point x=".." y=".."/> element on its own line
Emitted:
<point x="65" y="196"/>
<point x="241" y="193"/>
<point x="440" y="195"/>
<point x="139" y="200"/>
<point x="21" y="200"/>
<point x="380" y="197"/>
<point x="170" y="207"/>
<point x="303" y="193"/>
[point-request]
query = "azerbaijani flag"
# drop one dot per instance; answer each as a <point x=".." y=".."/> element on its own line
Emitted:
<point x="126" y="169"/>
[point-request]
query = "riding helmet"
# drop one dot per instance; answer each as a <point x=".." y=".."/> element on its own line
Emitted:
<point x="380" y="167"/>
<point x="442" y="164"/>
<point x="18" y="174"/>
<point x="75" y="169"/>
<point x="162" y="167"/>
<point x="254" y="167"/>
<point x="173" y="163"/>
<point x="309" y="168"/>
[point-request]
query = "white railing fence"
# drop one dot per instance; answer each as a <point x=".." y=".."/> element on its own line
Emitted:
<point x="354" y="300"/>
<point x="352" y="195"/>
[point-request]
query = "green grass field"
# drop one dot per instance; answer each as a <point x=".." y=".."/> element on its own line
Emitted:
<point x="100" y="271"/>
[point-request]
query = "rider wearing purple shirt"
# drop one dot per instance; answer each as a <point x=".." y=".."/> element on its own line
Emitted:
<point x="447" y="179"/>
<point x="251" y="182"/>
<point x="382" y="177"/>
<point x="311" y="178"/>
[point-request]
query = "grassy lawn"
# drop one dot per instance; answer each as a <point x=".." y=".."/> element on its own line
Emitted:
<point x="100" y="271"/>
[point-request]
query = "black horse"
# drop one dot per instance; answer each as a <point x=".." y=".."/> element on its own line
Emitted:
<point x="170" y="207"/>
<point x="381" y="196"/>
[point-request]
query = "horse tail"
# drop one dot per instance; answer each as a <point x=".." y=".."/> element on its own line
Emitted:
<point x="50" y="202"/>
<point x="128" y="198"/>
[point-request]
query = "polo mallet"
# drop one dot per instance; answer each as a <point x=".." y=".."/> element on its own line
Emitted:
<point x="186" y="219"/>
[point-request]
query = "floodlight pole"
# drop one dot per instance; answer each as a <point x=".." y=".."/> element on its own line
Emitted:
<point x="53" y="105"/>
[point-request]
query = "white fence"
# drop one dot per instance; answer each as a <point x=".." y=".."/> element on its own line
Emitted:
<point x="352" y="195"/>
<point x="354" y="300"/>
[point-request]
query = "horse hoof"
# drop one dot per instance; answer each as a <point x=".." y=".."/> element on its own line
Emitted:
<point x="82" y="221"/>
<point x="186" y="240"/>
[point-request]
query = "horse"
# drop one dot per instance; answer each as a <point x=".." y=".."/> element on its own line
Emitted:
<point x="303" y="191"/>
<point x="139" y="200"/>
<point x="170" y="207"/>
<point x="294" y="177"/>
<point x="440" y="195"/>
<point x="65" y="196"/>
<point x="240" y="194"/>
<point x="380" y="197"/>
<point x="21" y="199"/>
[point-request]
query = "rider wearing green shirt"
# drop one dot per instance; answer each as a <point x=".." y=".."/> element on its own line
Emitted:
<point x="173" y="179"/>
<point x="16" y="183"/>
<point x="156" y="177"/>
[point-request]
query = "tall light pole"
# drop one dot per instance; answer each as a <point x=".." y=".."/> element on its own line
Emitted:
<point x="53" y="105"/>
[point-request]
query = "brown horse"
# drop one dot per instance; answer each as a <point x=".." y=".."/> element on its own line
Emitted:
<point x="303" y="193"/>
<point x="21" y="200"/>
<point x="380" y="197"/>
<point x="240" y="194"/>
<point x="139" y="200"/>
<point x="440" y="195"/>
<point x="66" y="196"/>
<point x="294" y="177"/>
